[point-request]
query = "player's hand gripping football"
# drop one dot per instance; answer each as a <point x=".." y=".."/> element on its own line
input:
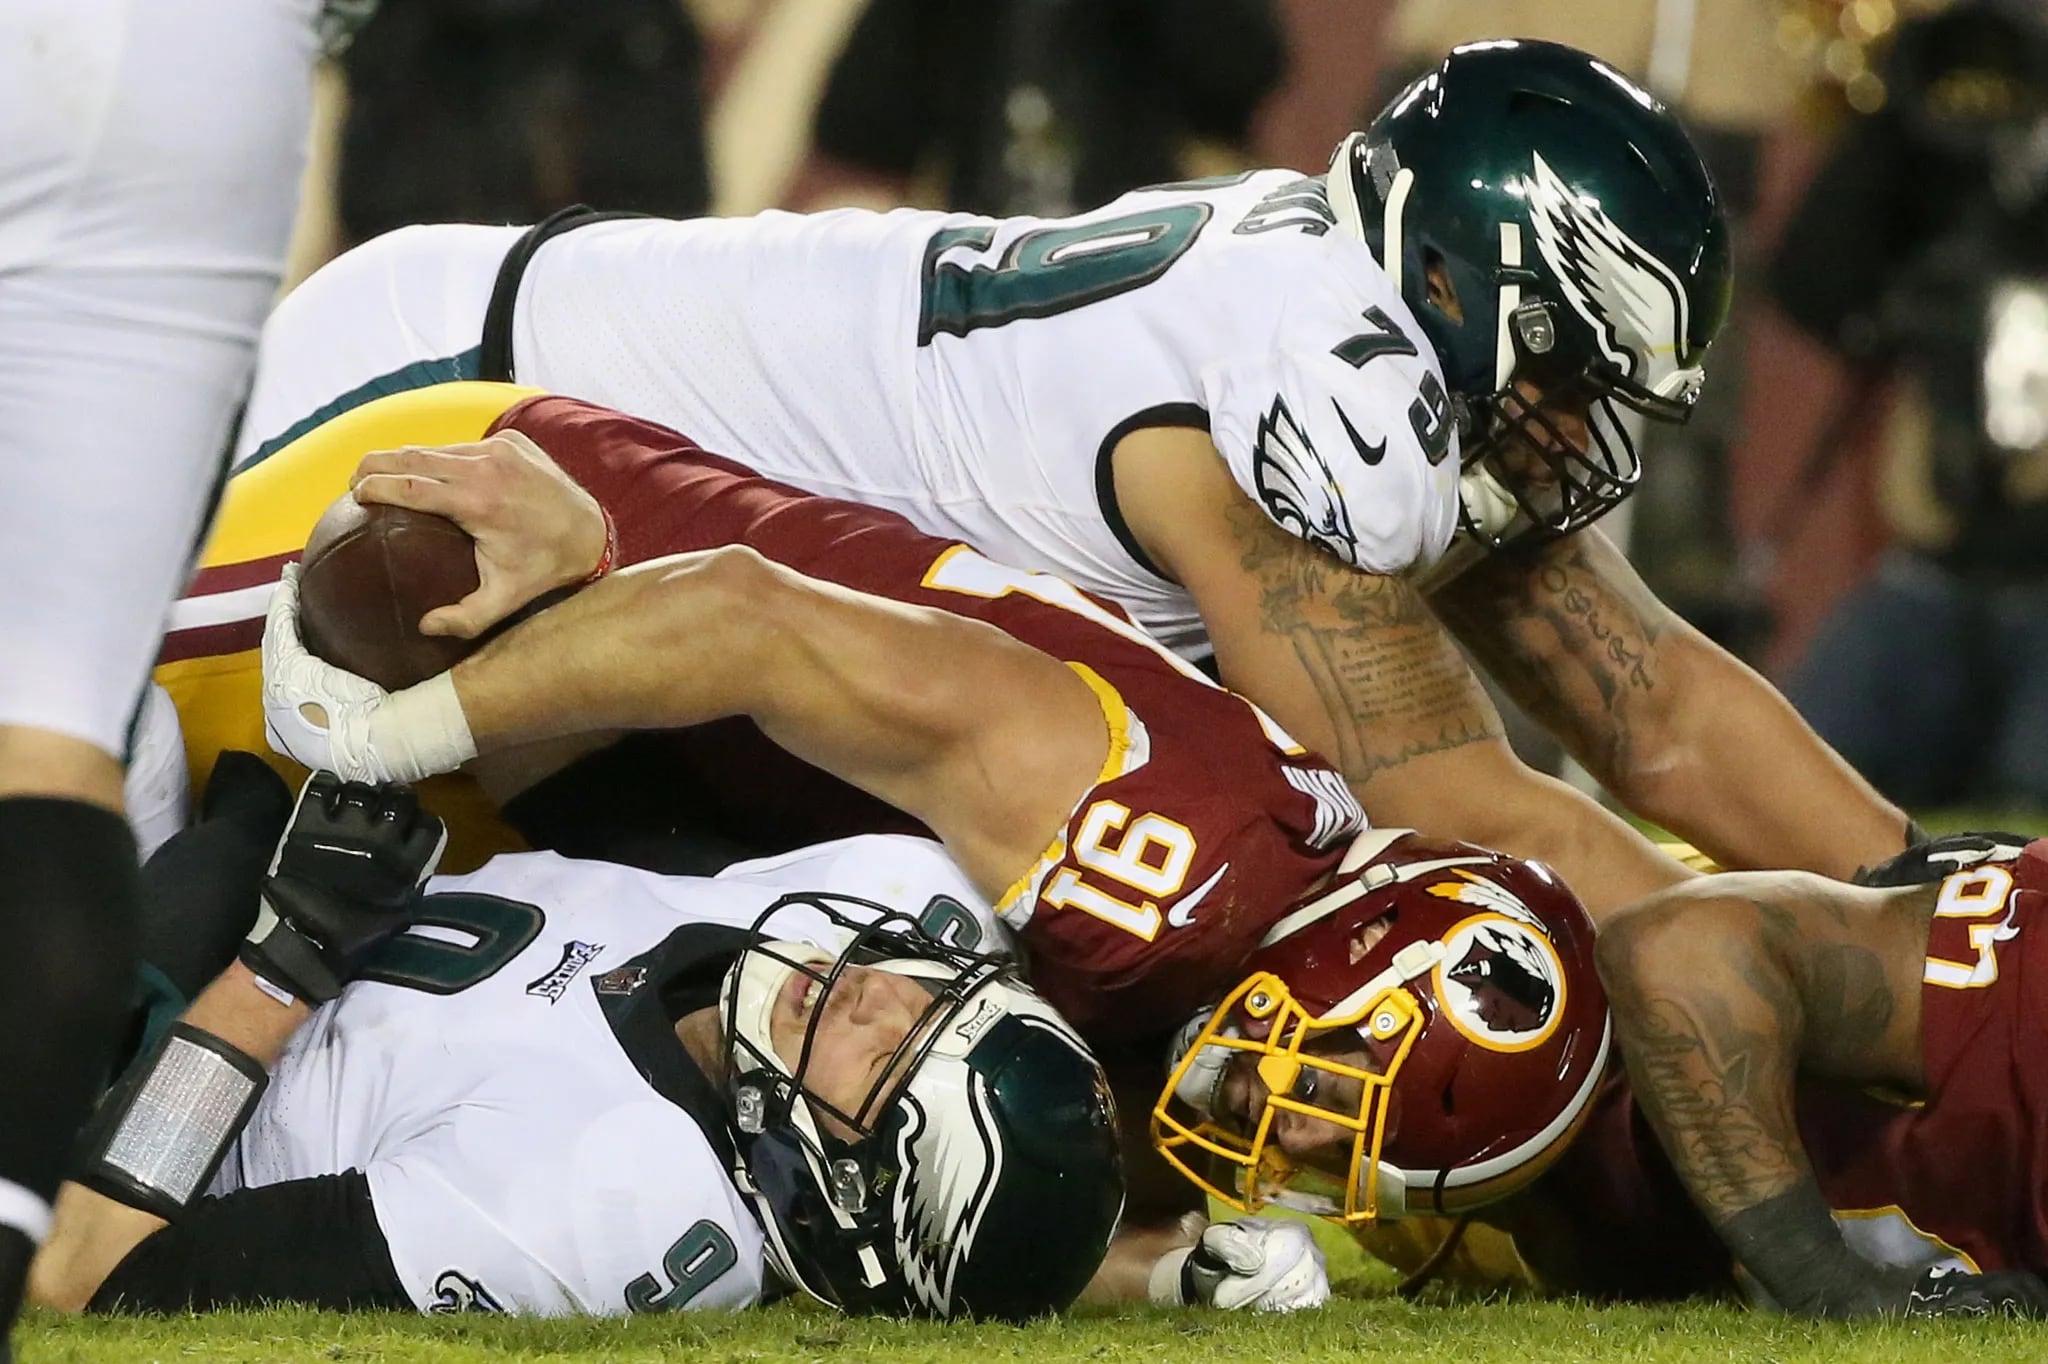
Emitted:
<point x="1261" y="1263"/>
<point x="535" y="528"/>
<point x="321" y="716"/>
<point x="345" y="878"/>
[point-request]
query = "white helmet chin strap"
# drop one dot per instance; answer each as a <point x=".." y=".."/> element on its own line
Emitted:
<point x="1203" y="1079"/>
<point x="1491" y="507"/>
<point x="1393" y="1184"/>
<point x="751" y="988"/>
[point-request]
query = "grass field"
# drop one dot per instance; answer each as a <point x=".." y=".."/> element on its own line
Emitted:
<point x="1368" y="1329"/>
<point x="1367" y="1323"/>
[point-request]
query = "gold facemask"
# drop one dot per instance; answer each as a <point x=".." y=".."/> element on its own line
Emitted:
<point x="1253" y="1165"/>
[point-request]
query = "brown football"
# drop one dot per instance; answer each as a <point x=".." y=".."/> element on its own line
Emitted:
<point x="366" y="578"/>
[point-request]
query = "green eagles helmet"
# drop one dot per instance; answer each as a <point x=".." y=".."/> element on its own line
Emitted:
<point x="1587" y="252"/>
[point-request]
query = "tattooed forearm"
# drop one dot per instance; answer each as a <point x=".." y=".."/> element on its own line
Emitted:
<point x="1718" y="1004"/>
<point x="1391" y="681"/>
<point x="1723" y="995"/>
<point x="1391" y="702"/>
<point x="1573" y="635"/>
<point x="1714" y="1077"/>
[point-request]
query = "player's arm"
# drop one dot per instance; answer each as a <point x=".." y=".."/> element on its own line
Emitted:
<point x="1676" y="727"/>
<point x="315" y="1242"/>
<point x="93" y="1232"/>
<point x="342" y="881"/>
<point x="987" y="741"/>
<point x="1723" y="992"/>
<point x="1357" y="667"/>
<point x="1162" y="1211"/>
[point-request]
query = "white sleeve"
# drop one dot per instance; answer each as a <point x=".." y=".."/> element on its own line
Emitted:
<point x="157" y="793"/>
<point x="1360" y="460"/>
<point x="510" y="1211"/>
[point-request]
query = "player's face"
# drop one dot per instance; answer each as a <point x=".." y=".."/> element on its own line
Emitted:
<point x="857" y="1053"/>
<point x="1303" y="1139"/>
<point x="1564" y="430"/>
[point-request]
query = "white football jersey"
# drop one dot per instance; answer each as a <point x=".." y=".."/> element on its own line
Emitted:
<point x="975" y="373"/>
<point x="513" y="1091"/>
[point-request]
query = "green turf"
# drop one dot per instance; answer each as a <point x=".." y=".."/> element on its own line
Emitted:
<point x="1367" y="1324"/>
<point x="1372" y="1329"/>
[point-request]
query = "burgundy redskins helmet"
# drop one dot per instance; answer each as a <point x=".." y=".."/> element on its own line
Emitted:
<point x="1466" y="980"/>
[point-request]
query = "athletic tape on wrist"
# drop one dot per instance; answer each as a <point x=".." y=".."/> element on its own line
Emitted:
<point x="161" y="1133"/>
<point x="1168" y="1284"/>
<point x="1792" y="1248"/>
<point x="422" y="732"/>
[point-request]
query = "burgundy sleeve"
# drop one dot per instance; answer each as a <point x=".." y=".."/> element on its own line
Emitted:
<point x="667" y="495"/>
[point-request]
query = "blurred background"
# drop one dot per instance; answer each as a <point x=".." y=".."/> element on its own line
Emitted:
<point x="1860" y="507"/>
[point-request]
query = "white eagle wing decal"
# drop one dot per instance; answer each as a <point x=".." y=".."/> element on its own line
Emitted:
<point x="1633" y="301"/>
<point x="951" y="1163"/>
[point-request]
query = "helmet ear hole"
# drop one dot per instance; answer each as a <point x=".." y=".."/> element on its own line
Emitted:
<point x="1369" y="933"/>
<point x="1442" y="293"/>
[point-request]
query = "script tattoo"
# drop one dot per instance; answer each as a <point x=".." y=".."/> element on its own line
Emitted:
<point x="1714" y="1076"/>
<point x="1572" y="633"/>
<point x="1390" y="679"/>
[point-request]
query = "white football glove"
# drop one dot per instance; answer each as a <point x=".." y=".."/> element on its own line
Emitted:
<point x="1261" y="1263"/>
<point x="370" y="735"/>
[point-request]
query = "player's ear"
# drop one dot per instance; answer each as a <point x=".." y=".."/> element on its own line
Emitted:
<point x="1442" y="293"/>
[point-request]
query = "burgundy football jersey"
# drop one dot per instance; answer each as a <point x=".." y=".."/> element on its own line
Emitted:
<point x="1207" y="822"/>
<point x="1967" y="1170"/>
<point x="1961" y="1177"/>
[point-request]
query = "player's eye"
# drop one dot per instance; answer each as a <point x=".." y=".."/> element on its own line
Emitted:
<point x="1306" y="1084"/>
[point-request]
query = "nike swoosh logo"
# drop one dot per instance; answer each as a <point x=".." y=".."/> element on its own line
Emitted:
<point x="1367" y="451"/>
<point x="1183" y="912"/>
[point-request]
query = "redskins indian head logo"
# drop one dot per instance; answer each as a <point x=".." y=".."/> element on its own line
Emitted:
<point x="1500" y="982"/>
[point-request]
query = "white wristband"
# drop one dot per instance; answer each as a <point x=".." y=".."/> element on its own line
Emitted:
<point x="421" y="731"/>
<point x="1164" y="1285"/>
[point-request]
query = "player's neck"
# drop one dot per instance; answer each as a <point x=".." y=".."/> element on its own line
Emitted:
<point x="704" y="1041"/>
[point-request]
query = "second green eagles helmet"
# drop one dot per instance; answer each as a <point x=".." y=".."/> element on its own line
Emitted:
<point x="1586" y="254"/>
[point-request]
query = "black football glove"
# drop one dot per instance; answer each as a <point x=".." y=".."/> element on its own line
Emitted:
<point x="345" y="879"/>
<point x="1925" y="863"/>
<point x="1952" y="1292"/>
